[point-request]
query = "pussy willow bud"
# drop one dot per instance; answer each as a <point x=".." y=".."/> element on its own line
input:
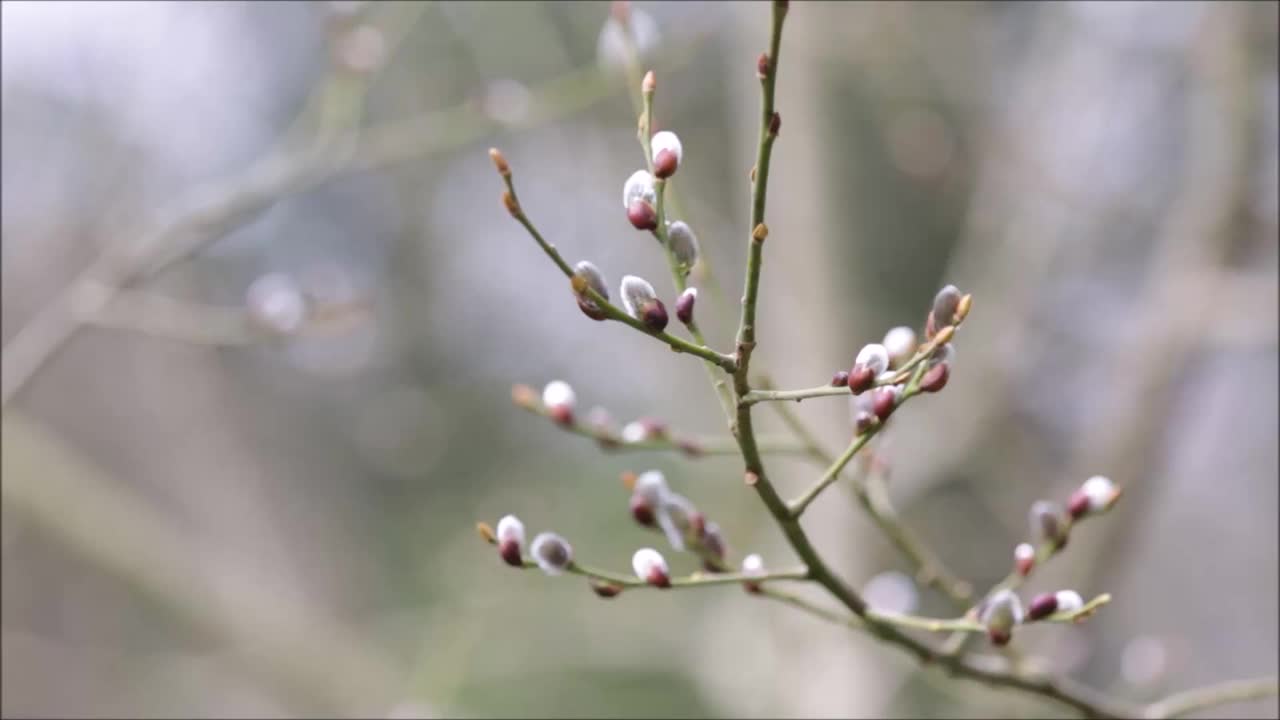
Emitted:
<point x="1001" y="612"/>
<point x="944" y="307"/>
<point x="860" y="378"/>
<point x="667" y="153"/>
<point x="639" y="186"/>
<point x="873" y="356"/>
<point x="685" y="303"/>
<point x="604" y="588"/>
<point x="649" y="83"/>
<point x="559" y="399"/>
<point x="641" y="303"/>
<point x="775" y="124"/>
<point x="675" y="518"/>
<point x="552" y="553"/>
<point x="276" y="304"/>
<point x="1046" y="604"/>
<point x="684" y="244"/>
<point x="1046" y="523"/>
<point x="651" y="567"/>
<point x="499" y="162"/>
<point x="884" y="401"/>
<point x="1024" y="559"/>
<point x="840" y="379"/>
<point x="524" y="396"/>
<point x="1096" y="495"/>
<point x="763" y="66"/>
<point x="647" y="496"/>
<point x="510" y="535"/>
<point x="900" y="342"/>
<point x="860" y="412"/>
<point x="752" y="566"/>
<point x="591" y="277"/>
<point x="713" y="540"/>
<point x="642" y="216"/>
<point x="935" y="378"/>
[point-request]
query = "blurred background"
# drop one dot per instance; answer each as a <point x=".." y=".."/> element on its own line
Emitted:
<point x="262" y="311"/>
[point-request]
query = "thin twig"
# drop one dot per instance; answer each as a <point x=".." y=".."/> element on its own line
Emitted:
<point x="1189" y="701"/>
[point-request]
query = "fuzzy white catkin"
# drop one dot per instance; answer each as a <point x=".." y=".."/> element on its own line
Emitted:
<point x="874" y="356"/>
<point x="636" y="292"/>
<point x="639" y="186"/>
<point x="552" y="553"/>
<point x="559" y="393"/>
<point x="753" y="565"/>
<point x="510" y="528"/>
<point x="667" y="140"/>
<point x="595" y="279"/>
<point x="646" y="560"/>
<point x="684" y="244"/>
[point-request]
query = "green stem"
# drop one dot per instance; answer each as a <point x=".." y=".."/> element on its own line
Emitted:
<point x="797" y="506"/>
<point x="689" y="581"/>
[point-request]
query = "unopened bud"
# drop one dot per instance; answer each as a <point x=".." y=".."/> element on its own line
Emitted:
<point x="760" y="232"/>
<point x="276" y="304"/>
<point x="486" y="532"/>
<point x="775" y="124"/>
<point x="884" y="401"/>
<point x="649" y="83"/>
<point x="713" y="540"/>
<point x="559" y="399"/>
<point x="641" y="303"/>
<point x="667" y="153"/>
<point x="900" y="343"/>
<point x="1001" y="612"/>
<point x="684" y="244"/>
<point x="840" y="379"/>
<point x="642" y="216"/>
<point x="552" y="553"/>
<point x="641" y="510"/>
<point x="510" y="536"/>
<point x="752" y="566"/>
<point x="1096" y="495"/>
<point x="604" y="588"/>
<point x="524" y="396"/>
<point x="1046" y="604"/>
<point x="763" y="66"/>
<point x="651" y="567"/>
<point x="509" y="202"/>
<point x="935" y="378"/>
<point x="962" y="308"/>
<point x="685" y="303"/>
<point x="1046" y="523"/>
<point x="944" y="306"/>
<point x="860" y="378"/>
<point x="500" y="162"/>
<point x="1024" y="559"/>
<point x="587" y="275"/>
<point x="873" y="356"/>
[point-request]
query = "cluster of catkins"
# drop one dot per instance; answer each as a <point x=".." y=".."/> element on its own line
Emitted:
<point x="1050" y="527"/>
<point x="653" y="505"/>
<point x="639" y="199"/>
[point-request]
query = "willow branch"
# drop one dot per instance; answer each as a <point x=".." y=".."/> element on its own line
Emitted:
<point x="1189" y="701"/>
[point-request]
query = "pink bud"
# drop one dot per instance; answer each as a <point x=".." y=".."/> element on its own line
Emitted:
<point x="1000" y="613"/>
<point x="752" y="566"/>
<point x="605" y="589"/>
<point x="559" y="399"/>
<point x="684" y="305"/>
<point x="1096" y="495"/>
<point x="884" y="401"/>
<point x="860" y="378"/>
<point x="1042" y="606"/>
<point x="840" y="379"/>
<point x="642" y="216"/>
<point x="935" y="378"/>
<point x="641" y="510"/>
<point x="775" y="124"/>
<point x="655" y="316"/>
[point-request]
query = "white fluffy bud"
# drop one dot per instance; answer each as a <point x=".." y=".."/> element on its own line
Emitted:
<point x="636" y="293"/>
<point x="651" y="567"/>
<point x="559" y="393"/>
<point x="900" y="342"/>
<point x="510" y="529"/>
<point x="753" y="565"/>
<point x="276" y="304"/>
<point x="874" y="356"/>
<point x="684" y="244"/>
<point x="639" y="187"/>
<point x="593" y="276"/>
<point x="1068" y="601"/>
<point x="553" y="553"/>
